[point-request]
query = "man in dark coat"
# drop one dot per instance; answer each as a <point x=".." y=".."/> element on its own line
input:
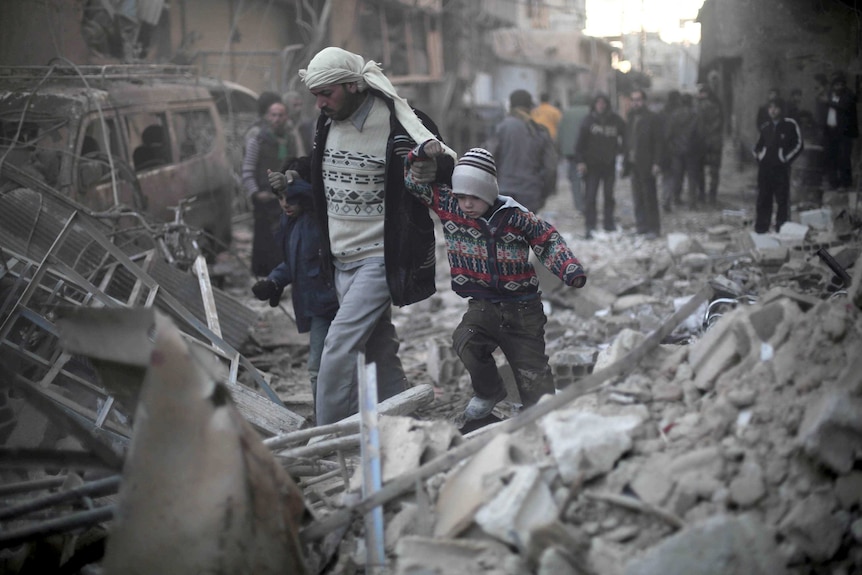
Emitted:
<point x="643" y="154"/>
<point x="377" y="239"/>
<point x="840" y="129"/>
<point x="526" y="155"/>
<point x="599" y="141"/>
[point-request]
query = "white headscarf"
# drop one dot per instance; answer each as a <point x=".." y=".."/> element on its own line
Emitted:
<point x="337" y="66"/>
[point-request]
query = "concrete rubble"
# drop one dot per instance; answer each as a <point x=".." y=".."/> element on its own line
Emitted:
<point x="732" y="445"/>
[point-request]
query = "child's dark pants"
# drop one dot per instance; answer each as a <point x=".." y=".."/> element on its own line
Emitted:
<point x="518" y="329"/>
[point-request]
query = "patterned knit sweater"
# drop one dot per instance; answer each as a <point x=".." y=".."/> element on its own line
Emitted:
<point x="489" y="257"/>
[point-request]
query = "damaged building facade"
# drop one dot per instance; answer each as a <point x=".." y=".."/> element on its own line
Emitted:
<point x="747" y="48"/>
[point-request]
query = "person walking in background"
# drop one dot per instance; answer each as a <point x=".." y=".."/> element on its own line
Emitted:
<point x="643" y="153"/>
<point x="600" y="139"/>
<point x="526" y="154"/>
<point x="266" y="148"/>
<point x="667" y="180"/>
<point x="547" y="115"/>
<point x="312" y="293"/>
<point x="840" y="129"/>
<point x="779" y="144"/>
<point x="682" y="145"/>
<point x="710" y="119"/>
<point x="802" y="116"/>
<point x="378" y="240"/>
<point x="567" y="138"/>
<point x="302" y="126"/>
<point x="489" y="239"/>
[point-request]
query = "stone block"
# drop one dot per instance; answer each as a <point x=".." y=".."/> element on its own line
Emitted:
<point x="831" y="431"/>
<point x="586" y="445"/>
<point x="523" y="505"/>
<point x="820" y="219"/>
<point x="813" y="528"/>
<point x="717" y="546"/>
<point x="415" y="554"/>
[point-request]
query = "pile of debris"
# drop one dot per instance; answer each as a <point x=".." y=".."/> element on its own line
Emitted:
<point x="707" y="420"/>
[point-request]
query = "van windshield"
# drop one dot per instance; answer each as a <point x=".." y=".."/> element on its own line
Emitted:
<point x="38" y="134"/>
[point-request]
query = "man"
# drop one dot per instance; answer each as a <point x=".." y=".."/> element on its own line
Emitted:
<point x="599" y="141"/>
<point x="526" y="158"/>
<point x="841" y="128"/>
<point x="711" y="132"/>
<point x="779" y="144"/>
<point x="267" y="147"/>
<point x="683" y="141"/>
<point x="547" y="115"/>
<point x="377" y="239"/>
<point x="642" y="158"/>
<point x="567" y="138"/>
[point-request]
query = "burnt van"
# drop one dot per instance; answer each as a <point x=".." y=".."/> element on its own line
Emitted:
<point x="115" y="138"/>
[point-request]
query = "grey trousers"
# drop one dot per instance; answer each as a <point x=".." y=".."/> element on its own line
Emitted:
<point x="363" y="324"/>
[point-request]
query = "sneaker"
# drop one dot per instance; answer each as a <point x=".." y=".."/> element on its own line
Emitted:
<point x="479" y="408"/>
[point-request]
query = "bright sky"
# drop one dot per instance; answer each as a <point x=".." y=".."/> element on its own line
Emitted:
<point x="613" y="17"/>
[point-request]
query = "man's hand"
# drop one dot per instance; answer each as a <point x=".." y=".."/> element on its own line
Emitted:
<point x="424" y="168"/>
<point x="424" y="171"/>
<point x="431" y="149"/>
<point x="264" y="290"/>
<point x="582" y="169"/>
<point x="279" y="181"/>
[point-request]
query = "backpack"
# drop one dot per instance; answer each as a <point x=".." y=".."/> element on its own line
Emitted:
<point x="548" y="149"/>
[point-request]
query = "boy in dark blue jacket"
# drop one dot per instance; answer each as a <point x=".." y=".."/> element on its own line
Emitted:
<point x="314" y="298"/>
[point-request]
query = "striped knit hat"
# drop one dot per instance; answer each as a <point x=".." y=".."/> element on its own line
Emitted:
<point x="475" y="174"/>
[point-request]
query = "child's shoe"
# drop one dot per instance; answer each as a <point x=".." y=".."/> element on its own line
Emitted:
<point x="479" y="408"/>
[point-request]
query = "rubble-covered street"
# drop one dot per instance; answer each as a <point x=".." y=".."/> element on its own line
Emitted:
<point x="706" y="419"/>
<point x="732" y="447"/>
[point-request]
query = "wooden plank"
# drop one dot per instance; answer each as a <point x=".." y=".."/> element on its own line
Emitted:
<point x="266" y="416"/>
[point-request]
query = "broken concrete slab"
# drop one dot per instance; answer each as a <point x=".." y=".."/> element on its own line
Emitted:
<point x="831" y="431"/>
<point x="819" y="219"/>
<point x="406" y="443"/>
<point x="813" y="527"/>
<point x="472" y="484"/>
<point x="718" y="546"/>
<point x="585" y="444"/>
<point x="415" y="554"/>
<point x="523" y="505"/>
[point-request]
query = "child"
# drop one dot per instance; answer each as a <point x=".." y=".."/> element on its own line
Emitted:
<point x="779" y="144"/>
<point x="314" y="298"/>
<point x="488" y="239"/>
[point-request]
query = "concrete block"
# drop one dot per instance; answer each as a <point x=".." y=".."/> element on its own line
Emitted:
<point x="524" y="504"/>
<point x="586" y="445"/>
<point x="415" y="554"/>
<point x="652" y="482"/>
<point x="831" y="431"/>
<point x="813" y="528"/>
<point x="625" y="341"/>
<point x="717" y="546"/>
<point x="680" y="244"/>
<point x="792" y="234"/>
<point x="443" y="364"/>
<point x="718" y="350"/>
<point x="469" y="486"/>
<point x="820" y="219"/>
<point x="763" y="241"/>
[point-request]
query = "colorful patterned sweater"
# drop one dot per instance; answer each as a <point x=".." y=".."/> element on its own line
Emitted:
<point x="489" y="257"/>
